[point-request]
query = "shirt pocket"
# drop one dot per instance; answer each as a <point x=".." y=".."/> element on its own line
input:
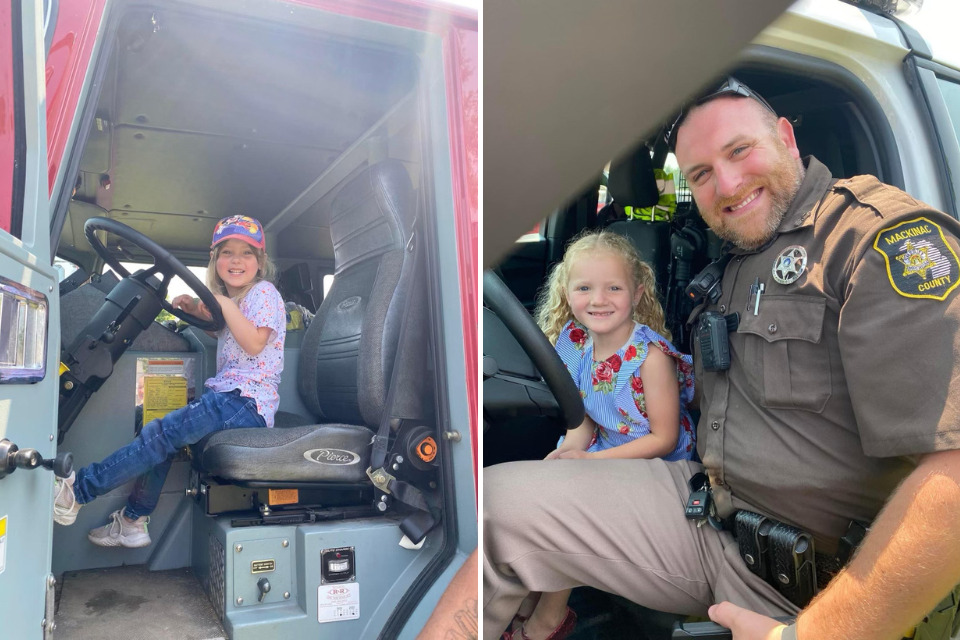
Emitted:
<point x="782" y="344"/>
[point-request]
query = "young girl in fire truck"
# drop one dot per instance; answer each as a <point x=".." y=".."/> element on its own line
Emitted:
<point x="243" y="393"/>
<point x="601" y="312"/>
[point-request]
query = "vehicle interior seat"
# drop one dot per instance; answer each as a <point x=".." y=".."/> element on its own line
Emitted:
<point x="349" y="350"/>
<point x="632" y="183"/>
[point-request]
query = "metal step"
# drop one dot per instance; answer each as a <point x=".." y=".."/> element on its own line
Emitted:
<point x="131" y="602"/>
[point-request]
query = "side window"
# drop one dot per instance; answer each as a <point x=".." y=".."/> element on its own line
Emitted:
<point x="939" y="89"/>
<point x="11" y="121"/>
<point x="177" y="285"/>
<point x="64" y="268"/>
<point x="13" y="128"/>
<point x="327" y="283"/>
<point x="603" y="195"/>
<point x="671" y="166"/>
<point x="951" y="97"/>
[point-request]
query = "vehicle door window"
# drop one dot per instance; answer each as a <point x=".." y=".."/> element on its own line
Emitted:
<point x="951" y="97"/>
<point x="64" y="268"/>
<point x="939" y="89"/>
<point x="12" y="131"/>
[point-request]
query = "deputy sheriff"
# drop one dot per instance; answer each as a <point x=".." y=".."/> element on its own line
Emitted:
<point x="836" y="412"/>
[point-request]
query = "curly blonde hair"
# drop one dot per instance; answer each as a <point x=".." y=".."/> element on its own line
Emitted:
<point x="265" y="271"/>
<point x="553" y="309"/>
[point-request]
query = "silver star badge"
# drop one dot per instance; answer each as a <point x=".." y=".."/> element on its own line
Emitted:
<point x="790" y="264"/>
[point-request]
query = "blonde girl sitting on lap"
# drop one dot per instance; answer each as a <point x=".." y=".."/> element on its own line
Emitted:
<point x="600" y="311"/>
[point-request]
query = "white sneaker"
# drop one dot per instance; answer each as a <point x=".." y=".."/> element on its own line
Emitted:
<point x="65" y="505"/>
<point x="120" y="533"/>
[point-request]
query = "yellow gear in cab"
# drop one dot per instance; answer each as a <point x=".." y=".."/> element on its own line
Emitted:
<point x="666" y="206"/>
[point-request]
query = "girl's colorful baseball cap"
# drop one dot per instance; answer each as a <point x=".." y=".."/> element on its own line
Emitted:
<point x="240" y="227"/>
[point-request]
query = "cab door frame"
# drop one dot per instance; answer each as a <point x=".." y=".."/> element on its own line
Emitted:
<point x="28" y="415"/>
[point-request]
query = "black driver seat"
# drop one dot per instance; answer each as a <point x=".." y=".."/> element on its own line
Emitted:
<point x="349" y="349"/>
<point x="633" y="183"/>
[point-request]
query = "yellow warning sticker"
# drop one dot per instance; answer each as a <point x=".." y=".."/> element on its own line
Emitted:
<point x="3" y="543"/>
<point x="161" y="395"/>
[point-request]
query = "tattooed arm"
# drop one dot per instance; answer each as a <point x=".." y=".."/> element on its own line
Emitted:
<point x="455" y="617"/>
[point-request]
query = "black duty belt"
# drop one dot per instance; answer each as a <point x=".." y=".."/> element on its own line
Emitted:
<point x="785" y="556"/>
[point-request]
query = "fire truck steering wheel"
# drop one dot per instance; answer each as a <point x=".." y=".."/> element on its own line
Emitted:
<point x="165" y="265"/>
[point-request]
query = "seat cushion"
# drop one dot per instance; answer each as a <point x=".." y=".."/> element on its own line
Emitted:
<point x="338" y="453"/>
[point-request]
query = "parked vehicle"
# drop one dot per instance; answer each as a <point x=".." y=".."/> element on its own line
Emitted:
<point x="349" y="129"/>
<point x="867" y="91"/>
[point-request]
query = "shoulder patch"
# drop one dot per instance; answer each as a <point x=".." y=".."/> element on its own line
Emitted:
<point x="920" y="263"/>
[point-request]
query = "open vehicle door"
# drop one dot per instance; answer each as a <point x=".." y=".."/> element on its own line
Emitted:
<point x="28" y="315"/>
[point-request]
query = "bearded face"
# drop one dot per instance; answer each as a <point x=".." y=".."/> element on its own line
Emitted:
<point x="742" y="166"/>
<point x="753" y="231"/>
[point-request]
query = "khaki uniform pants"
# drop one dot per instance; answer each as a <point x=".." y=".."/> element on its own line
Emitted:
<point x="616" y="525"/>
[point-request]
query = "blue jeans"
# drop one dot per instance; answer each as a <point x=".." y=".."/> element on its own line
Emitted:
<point x="149" y="456"/>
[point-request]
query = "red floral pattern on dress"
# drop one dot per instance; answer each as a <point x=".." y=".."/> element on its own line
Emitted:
<point x="615" y="362"/>
<point x="627" y="424"/>
<point x="605" y="374"/>
<point x="685" y="424"/>
<point x="618" y="405"/>
<point x="639" y="399"/>
<point x="577" y="336"/>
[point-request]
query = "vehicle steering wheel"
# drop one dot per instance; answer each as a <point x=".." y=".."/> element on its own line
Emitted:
<point x="499" y="299"/>
<point x="165" y="264"/>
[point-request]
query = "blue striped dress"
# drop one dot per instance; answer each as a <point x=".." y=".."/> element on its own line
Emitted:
<point x="612" y="390"/>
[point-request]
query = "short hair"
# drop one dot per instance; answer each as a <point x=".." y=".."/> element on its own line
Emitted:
<point x="731" y="87"/>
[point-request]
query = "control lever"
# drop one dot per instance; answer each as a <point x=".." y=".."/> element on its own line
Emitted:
<point x="264" y="586"/>
<point x="13" y="458"/>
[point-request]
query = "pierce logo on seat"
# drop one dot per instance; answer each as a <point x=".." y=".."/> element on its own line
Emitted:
<point x="352" y="301"/>
<point x="332" y="456"/>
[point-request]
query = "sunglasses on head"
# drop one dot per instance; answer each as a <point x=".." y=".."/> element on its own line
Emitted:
<point x="730" y="87"/>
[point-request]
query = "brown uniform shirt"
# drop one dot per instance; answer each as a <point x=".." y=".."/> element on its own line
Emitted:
<point x="844" y="375"/>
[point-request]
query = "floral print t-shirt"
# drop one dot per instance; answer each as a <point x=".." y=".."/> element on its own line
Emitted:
<point x="612" y="390"/>
<point x="258" y="376"/>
